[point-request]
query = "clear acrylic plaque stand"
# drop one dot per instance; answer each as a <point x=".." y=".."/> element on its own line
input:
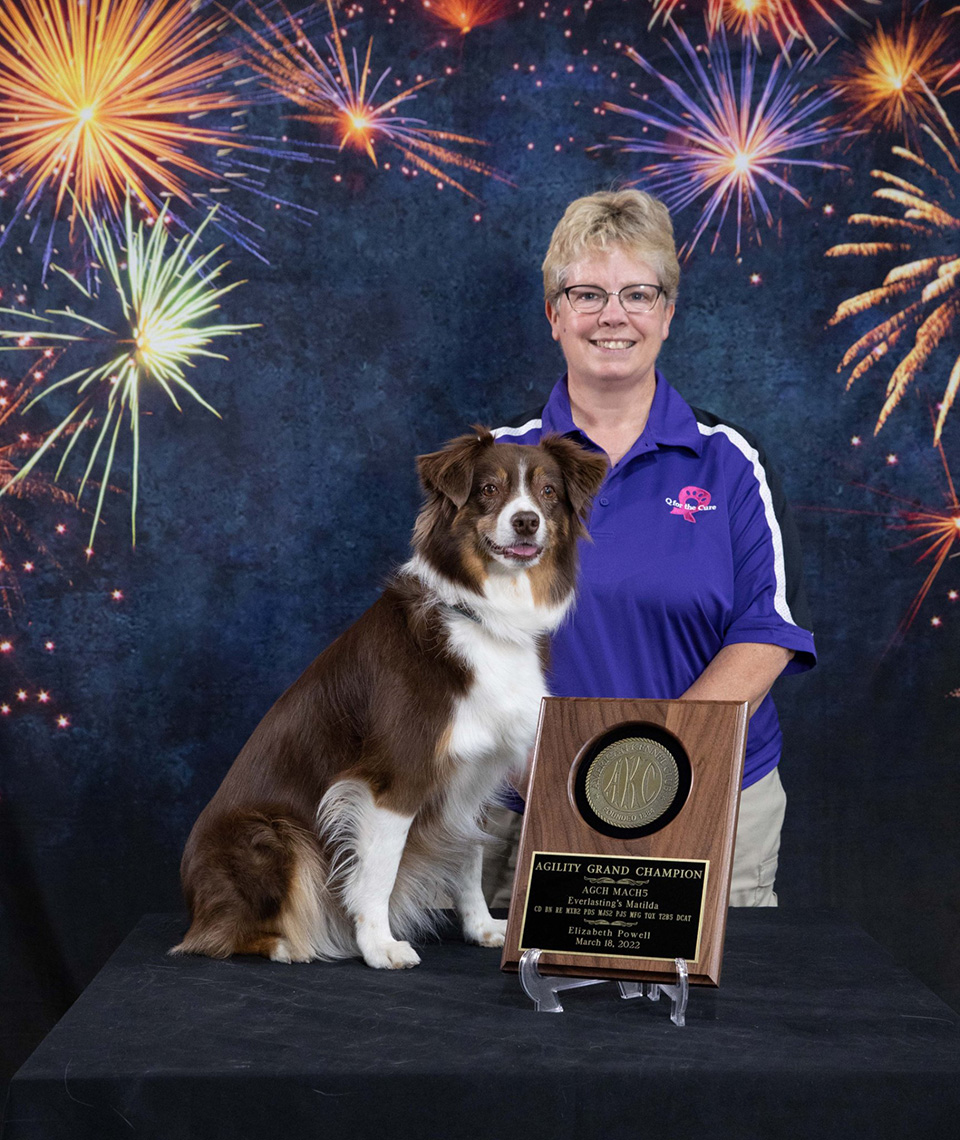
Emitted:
<point x="542" y="989"/>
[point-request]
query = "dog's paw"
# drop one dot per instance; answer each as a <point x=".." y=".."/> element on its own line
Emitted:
<point x="280" y="952"/>
<point x="487" y="932"/>
<point x="391" y="955"/>
<point x="284" y="952"/>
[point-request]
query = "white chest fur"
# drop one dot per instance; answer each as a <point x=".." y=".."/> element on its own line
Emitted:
<point x="495" y="722"/>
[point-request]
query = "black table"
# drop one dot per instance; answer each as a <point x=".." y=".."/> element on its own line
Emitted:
<point x="813" y="1033"/>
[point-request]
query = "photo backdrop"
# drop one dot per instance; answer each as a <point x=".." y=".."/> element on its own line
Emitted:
<point x="388" y="278"/>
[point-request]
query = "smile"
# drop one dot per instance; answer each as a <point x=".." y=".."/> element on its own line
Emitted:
<point x="614" y="344"/>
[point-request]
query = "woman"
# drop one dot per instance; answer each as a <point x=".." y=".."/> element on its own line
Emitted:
<point x="691" y="587"/>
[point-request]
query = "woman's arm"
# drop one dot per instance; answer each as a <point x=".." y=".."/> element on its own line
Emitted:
<point x="744" y="671"/>
<point x="741" y="672"/>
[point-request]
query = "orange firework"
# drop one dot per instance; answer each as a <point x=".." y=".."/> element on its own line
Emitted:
<point x="892" y="78"/>
<point x="748" y="18"/>
<point x="936" y="530"/>
<point x="99" y="95"/>
<point x="465" y="15"/>
<point x="936" y="527"/>
<point x="925" y="288"/>
<point x="344" y="98"/>
<point x="784" y="20"/>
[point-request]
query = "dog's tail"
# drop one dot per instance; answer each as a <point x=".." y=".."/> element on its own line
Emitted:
<point x="256" y="883"/>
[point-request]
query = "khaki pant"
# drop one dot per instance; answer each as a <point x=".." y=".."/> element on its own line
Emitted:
<point x="762" y="807"/>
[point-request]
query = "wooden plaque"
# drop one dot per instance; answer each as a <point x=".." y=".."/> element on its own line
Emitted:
<point x="627" y="845"/>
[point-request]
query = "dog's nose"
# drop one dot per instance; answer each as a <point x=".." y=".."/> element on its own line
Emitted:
<point x="525" y="523"/>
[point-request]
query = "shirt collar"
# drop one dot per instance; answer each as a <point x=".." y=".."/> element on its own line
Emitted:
<point x="671" y="422"/>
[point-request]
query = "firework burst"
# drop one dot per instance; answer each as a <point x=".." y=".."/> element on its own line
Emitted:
<point x="465" y="15"/>
<point x="344" y="98"/>
<point x="748" y="19"/>
<point x="165" y="297"/>
<point x="935" y="530"/>
<point x="938" y="530"/>
<point x="892" y="78"/>
<point x="98" y="97"/>
<point x="784" y="20"/>
<point x="925" y="289"/>
<point x="16" y="446"/>
<point x="724" y="143"/>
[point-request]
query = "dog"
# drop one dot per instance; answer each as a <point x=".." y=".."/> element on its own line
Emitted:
<point x="359" y="796"/>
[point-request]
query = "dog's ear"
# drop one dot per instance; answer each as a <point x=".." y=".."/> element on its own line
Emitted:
<point x="450" y="470"/>
<point x="583" y="471"/>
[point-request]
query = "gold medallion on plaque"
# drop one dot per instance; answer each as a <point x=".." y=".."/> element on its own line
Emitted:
<point x="632" y="782"/>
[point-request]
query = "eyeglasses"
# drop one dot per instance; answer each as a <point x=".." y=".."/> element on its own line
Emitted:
<point x="593" y="299"/>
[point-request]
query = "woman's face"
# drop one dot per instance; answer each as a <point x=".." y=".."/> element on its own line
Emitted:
<point x="612" y="348"/>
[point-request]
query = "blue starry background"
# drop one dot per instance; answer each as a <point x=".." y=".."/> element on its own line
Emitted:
<point x="400" y="315"/>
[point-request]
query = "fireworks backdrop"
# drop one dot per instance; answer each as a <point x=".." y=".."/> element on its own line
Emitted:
<point x="387" y="177"/>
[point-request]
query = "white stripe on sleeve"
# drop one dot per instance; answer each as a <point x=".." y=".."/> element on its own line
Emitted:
<point x="528" y="426"/>
<point x="752" y="456"/>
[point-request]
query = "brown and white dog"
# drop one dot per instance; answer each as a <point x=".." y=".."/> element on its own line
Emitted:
<point x="359" y="795"/>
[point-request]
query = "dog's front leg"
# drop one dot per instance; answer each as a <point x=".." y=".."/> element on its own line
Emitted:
<point x="479" y="925"/>
<point x="380" y="838"/>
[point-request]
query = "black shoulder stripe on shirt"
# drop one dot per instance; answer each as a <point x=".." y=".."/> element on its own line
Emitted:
<point x="519" y="421"/>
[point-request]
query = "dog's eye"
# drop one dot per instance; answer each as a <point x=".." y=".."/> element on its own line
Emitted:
<point x="547" y="491"/>
<point x="488" y="490"/>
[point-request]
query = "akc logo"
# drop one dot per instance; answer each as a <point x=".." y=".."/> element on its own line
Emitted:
<point x="689" y="501"/>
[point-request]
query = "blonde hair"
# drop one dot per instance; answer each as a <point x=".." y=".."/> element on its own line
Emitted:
<point x="630" y="219"/>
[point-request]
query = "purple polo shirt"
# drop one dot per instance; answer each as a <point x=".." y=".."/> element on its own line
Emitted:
<point x="693" y="549"/>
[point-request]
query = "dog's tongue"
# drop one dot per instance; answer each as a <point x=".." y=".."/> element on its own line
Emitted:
<point x="523" y="550"/>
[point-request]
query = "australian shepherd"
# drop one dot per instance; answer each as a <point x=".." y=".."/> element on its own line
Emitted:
<point x="358" y="799"/>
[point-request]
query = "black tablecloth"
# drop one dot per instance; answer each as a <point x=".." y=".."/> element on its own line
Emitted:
<point x="814" y="1032"/>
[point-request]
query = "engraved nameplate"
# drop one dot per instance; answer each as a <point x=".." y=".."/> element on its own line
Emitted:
<point x="615" y="906"/>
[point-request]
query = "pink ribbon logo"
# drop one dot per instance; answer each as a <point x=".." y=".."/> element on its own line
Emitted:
<point x="689" y="500"/>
